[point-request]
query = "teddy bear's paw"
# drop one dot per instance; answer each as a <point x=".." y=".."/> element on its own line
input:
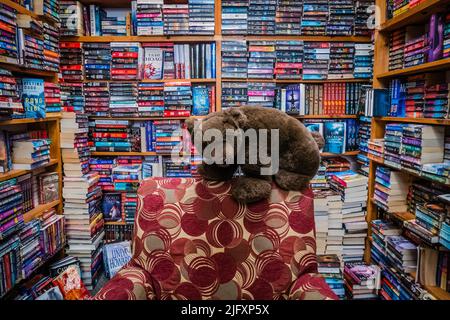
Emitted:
<point x="248" y="190"/>
<point x="291" y="181"/>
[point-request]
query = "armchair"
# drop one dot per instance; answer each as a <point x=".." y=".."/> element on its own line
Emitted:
<point x="193" y="241"/>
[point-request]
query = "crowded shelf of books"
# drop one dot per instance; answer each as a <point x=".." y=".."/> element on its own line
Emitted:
<point x="94" y="95"/>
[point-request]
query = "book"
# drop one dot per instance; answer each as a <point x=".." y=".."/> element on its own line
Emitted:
<point x="115" y="256"/>
<point x="33" y="97"/>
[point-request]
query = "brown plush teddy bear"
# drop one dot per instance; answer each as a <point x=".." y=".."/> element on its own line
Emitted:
<point x="298" y="155"/>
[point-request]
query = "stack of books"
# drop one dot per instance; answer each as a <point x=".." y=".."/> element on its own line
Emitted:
<point x="234" y="94"/>
<point x="391" y="188"/>
<point x="74" y="144"/>
<point x="329" y="267"/>
<point x="51" y="237"/>
<point x="150" y="99"/>
<point x="127" y="177"/>
<point x="52" y="95"/>
<point x="30" y="248"/>
<point x="263" y="94"/>
<point x="49" y="8"/>
<point x="176" y="18"/>
<point x="103" y="166"/>
<point x="288" y="64"/>
<point x="152" y="167"/>
<point x="353" y="190"/>
<point x="28" y="154"/>
<point x="149" y="17"/>
<point x="51" y="47"/>
<point x="111" y="135"/>
<point x="261" y="59"/>
<point x="396" y="49"/>
<point x="362" y="280"/>
<point x="321" y="219"/>
<point x="177" y="99"/>
<point x="72" y="97"/>
<point x="71" y="16"/>
<point x="84" y="224"/>
<point x="123" y="99"/>
<point x="288" y="17"/>
<point x="194" y="61"/>
<point x="364" y="134"/>
<point x="392" y="144"/>
<point x="125" y="60"/>
<point x="261" y="17"/>
<point x="398" y="7"/>
<point x="71" y="61"/>
<point x="96" y="98"/>
<point x="363" y="63"/>
<point x="446" y="50"/>
<point x="234" y="59"/>
<point x="9" y="53"/>
<point x="176" y="170"/>
<point x="415" y="51"/>
<point x="414" y="96"/>
<point x="421" y="144"/>
<point x="362" y="16"/>
<point x="315" y="17"/>
<point x="10" y="101"/>
<point x="341" y="60"/>
<point x="31" y="50"/>
<point x="113" y="23"/>
<point x="436" y="100"/>
<point x="234" y="17"/>
<point x="316" y="57"/>
<point x="341" y="18"/>
<point x="97" y="61"/>
<point x="401" y="253"/>
<point x="430" y="216"/>
<point x="168" y="136"/>
<point x="11" y="214"/>
<point x="10" y="266"/>
<point x="201" y="17"/>
<point x="444" y="233"/>
<point x="380" y="231"/>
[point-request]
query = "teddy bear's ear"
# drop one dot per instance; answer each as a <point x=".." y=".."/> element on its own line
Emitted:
<point x="319" y="139"/>
<point x="236" y="117"/>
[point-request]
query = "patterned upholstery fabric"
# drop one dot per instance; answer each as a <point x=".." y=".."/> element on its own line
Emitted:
<point x="193" y="241"/>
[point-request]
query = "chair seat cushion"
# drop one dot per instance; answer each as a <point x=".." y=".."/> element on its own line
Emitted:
<point x="197" y="242"/>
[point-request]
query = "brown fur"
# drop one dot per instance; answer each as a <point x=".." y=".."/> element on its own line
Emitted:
<point x="299" y="151"/>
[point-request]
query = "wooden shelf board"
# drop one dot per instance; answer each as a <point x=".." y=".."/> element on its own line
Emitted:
<point x="349" y="153"/>
<point x="297" y="37"/>
<point x="296" y="80"/>
<point x="323" y="116"/>
<point x="17" y="173"/>
<point x="116" y="223"/>
<point x="444" y="122"/>
<point x="438" y="65"/>
<point x="438" y="293"/>
<point x="402" y="216"/>
<point x="20" y="9"/>
<point x="113" y="154"/>
<point x="159" y="38"/>
<point x="39" y="210"/>
<point x="145" y="118"/>
<point x="207" y="80"/>
<point x="417" y="14"/>
<point x="50" y="117"/>
<point x="27" y="71"/>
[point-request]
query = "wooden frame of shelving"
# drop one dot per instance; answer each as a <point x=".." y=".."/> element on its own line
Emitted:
<point x="381" y="77"/>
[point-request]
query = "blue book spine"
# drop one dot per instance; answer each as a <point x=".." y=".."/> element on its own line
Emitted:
<point x="149" y="136"/>
<point x="213" y="60"/>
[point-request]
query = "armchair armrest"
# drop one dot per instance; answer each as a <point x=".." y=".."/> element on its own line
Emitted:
<point x="311" y="286"/>
<point x="130" y="283"/>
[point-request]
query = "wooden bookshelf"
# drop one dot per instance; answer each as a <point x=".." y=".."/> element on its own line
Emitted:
<point x="20" y="70"/>
<point x="438" y="65"/>
<point x="17" y="173"/>
<point x="20" y="9"/>
<point x="39" y="210"/>
<point x="349" y="153"/>
<point x="418" y="14"/>
<point x="48" y="118"/>
<point x="441" y="122"/>
<point x="438" y="293"/>
<point x="281" y="81"/>
<point x="324" y="116"/>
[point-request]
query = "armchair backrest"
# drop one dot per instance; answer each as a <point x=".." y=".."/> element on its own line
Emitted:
<point x="198" y="243"/>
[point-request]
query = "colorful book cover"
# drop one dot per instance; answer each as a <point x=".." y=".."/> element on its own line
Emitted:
<point x="335" y="136"/>
<point x="71" y="285"/>
<point x="293" y="100"/>
<point x="112" y="207"/>
<point x="201" y="103"/>
<point x="33" y="98"/>
<point x="153" y="63"/>
<point x="115" y="256"/>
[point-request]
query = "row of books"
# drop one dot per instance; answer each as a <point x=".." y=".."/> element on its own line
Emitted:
<point x="296" y="60"/>
<point x="418" y="44"/>
<point x="396" y="7"/>
<point x="364" y="134"/>
<point x="309" y="17"/>
<point x="421" y="96"/>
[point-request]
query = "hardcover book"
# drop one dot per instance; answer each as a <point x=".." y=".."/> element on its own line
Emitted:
<point x="153" y="63"/>
<point x="111" y="207"/>
<point x="334" y="135"/>
<point x="115" y="256"/>
<point x="33" y="97"/>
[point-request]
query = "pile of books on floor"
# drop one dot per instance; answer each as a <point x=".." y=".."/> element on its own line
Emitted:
<point x="28" y="154"/>
<point x="234" y="59"/>
<point x="123" y="99"/>
<point x="234" y="17"/>
<point x="84" y="224"/>
<point x="71" y="61"/>
<point x="362" y="281"/>
<point x="201" y="17"/>
<point x="125" y="60"/>
<point x="321" y="219"/>
<point x="9" y="53"/>
<point x="391" y="188"/>
<point x="51" y="47"/>
<point x="396" y="49"/>
<point x="52" y="95"/>
<point x="353" y="190"/>
<point x="97" y="61"/>
<point x="329" y="267"/>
